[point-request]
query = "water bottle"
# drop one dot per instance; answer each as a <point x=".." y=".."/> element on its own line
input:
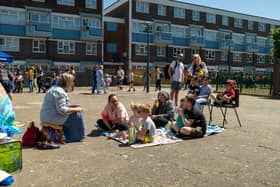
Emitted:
<point x="131" y="135"/>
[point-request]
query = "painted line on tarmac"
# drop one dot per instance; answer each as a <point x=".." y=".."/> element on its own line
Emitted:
<point x="22" y="107"/>
<point x="39" y="103"/>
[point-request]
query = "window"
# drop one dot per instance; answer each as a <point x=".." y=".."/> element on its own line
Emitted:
<point x="112" y="48"/>
<point x="261" y="41"/>
<point x="195" y="15"/>
<point x="196" y="32"/>
<point x="195" y="51"/>
<point x="39" y="17"/>
<point x="210" y="35"/>
<point x="210" y="54"/>
<point x="249" y="58"/>
<point x="139" y="27"/>
<point x="66" y="22"/>
<point x="178" y="32"/>
<point x="237" y="39"/>
<point x="39" y="46"/>
<point x="162" y="27"/>
<point x="91" y="4"/>
<point x="65" y="47"/>
<point x="91" y="22"/>
<point x="177" y="50"/>
<point x="238" y="23"/>
<point x="262" y="27"/>
<point x="179" y="13"/>
<point x="225" y="20"/>
<point x="224" y="56"/>
<point x="91" y="49"/>
<point x="272" y="27"/>
<point x="141" y="49"/>
<point x="161" y="51"/>
<point x="261" y="59"/>
<point x="250" y="25"/>
<point x="237" y="57"/>
<point x="161" y="10"/>
<point x="66" y="2"/>
<point x="9" y="44"/>
<point x="142" y="6"/>
<point x="210" y="18"/>
<point x="111" y="26"/>
<point x="271" y="60"/>
<point x="251" y="39"/>
<point x="12" y="17"/>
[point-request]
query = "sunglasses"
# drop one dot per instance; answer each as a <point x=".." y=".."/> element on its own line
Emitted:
<point x="139" y="111"/>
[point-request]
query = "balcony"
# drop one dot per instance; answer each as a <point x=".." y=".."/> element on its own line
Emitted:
<point x="94" y="34"/>
<point x="38" y="29"/>
<point x="162" y="37"/>
<point x="197" y="41"/>
<point x="225" y="44"/>
<point x="252" y="47"/>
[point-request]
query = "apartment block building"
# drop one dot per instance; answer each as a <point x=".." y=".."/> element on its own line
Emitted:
<point x="52" y="33"/>
<point x="221" y="37"/>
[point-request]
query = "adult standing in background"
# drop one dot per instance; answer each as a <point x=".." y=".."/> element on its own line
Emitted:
<point x="100" y="79"/>
<point x="198" y="67"/>
<point x="159" y="77"/>
<point x="94" y="82"/>
<point x="30" y="76"/>
<point x="120" y="78"/>
<point x="176" y="74"/>
<point x="40" y="75"/>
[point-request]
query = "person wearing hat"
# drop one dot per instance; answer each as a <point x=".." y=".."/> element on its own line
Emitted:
<point x="176" y="74"/>
<point x="163" y="110"/>
<point x="227" y="96"/>
<point x="100" y="79"/>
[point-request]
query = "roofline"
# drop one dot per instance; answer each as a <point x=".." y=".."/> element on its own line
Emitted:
<point x="112" y="19"/>
<point x="201" y="8"/>
<point x="114" y="6"/>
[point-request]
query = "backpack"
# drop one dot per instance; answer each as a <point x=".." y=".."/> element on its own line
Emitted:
<point x="31" y="135"/>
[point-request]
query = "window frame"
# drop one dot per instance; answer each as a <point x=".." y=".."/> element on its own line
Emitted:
<point x="224" y="56"/>
<point x="210" y="54"/>
<point x="64" y="44"/>
<point x="66" y="2"/>
<point x="93" y="49"/>
<point x="250" y="25"/>
<point x="180" y="13"/>
<point x="258" y="59"/>
<point x="195" y="15"/>
<point x="250" y="58"/>
<point x="161" y="51"/>
<point x="178" y="50"/>
<point x="225" y="23"/>
<point x="211" y="18"/>
<point x="161" y="10"/>
<point x="10" y="44"/>
<point x="139" y="47"/>
<point x="40" y="42"/>
<point x="234" y="54"/>
<point x="89" y="4"/>
<point x="142" y="7"/>
<point x="262" y="29"/>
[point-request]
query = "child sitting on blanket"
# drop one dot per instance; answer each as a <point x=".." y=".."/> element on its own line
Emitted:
<point x="135" y="120"/>
<point x="179" y="122"/>
<point x="227" y="96"/>
<point x="148" y="131"/>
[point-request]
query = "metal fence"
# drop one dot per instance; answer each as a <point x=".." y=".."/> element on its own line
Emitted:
<point x="253" y="83"/>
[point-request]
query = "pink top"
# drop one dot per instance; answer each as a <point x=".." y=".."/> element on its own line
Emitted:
<point x="119" y="112"/>
<point x="135" y="121"/>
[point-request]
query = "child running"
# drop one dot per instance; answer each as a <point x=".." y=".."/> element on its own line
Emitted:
<point x="147" y="133"/>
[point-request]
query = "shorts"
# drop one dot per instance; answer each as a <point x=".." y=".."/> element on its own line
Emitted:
<point x="120" y="82"/>
<point x="195" y="133"/>
<point x="175" y="85"/>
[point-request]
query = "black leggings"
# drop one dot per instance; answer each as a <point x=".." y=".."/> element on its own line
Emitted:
<point x="160" y="122"/>
<point x="115" y="126"/>
<point x="158" y="85"/>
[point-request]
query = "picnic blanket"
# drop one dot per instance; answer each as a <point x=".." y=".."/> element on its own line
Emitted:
<point x="163" y="137"/>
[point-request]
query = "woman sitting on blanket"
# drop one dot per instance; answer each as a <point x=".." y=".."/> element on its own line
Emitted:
<point x="57" y="110"/>
<point x="148" y="131"/>
<point x="114" y="117"/>
<point x="163" y="110"/>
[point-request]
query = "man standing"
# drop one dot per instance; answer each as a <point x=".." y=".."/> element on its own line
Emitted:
<point x="40" y="74"/>
<point x="100" y="79"/>
<point x="94" y="82"/>
<point x="120" y="77"/>
<point x="176" y="74"/>
<point x="31" y="76"/>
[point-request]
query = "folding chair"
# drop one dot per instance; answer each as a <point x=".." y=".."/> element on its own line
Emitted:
<point x="224" y="108"/>
<point x="208" y="105"/>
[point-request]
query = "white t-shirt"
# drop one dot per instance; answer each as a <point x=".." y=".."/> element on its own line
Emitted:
<point x="120" y="74"/>
<point x="131" y="77"/>
<point x="178" y="72"/>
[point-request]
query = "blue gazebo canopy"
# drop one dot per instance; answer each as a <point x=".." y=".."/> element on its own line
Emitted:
<point x="5" y="58"/>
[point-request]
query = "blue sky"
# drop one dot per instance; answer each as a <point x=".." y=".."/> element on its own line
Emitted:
<point x="264" y="8"/>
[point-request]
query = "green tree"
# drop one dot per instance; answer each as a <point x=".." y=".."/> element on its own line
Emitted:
<point x="276" y="42"/>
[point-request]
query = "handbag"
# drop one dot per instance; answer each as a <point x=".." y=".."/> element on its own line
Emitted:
<point x="31" y="135"/>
